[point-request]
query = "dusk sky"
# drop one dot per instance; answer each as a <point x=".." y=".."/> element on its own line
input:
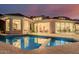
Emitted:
<point x="71" y="11"/>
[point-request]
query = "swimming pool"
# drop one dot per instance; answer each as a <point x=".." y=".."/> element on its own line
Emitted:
<point x="29" y="42"/>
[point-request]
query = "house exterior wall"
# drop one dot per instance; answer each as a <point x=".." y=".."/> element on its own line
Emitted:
<point x="38" y="25"/>
<point x="13" y="25"/>
<point x="77" y="28"/>
<point x="38" y="18"/>
<point x="42" y="27"/>
<point x="52" y="26"/>
<point x="16" y="24"/>
<point x="26" y="25"/>
<point x="7" y="25"/>
<point x="64" y="27"/>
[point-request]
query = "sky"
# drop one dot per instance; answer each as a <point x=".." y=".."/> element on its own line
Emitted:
<point x="69" y="10"/>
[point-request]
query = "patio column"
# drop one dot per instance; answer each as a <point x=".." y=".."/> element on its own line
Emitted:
<point x="21" y="26"/>
<point x="11" y="25"/>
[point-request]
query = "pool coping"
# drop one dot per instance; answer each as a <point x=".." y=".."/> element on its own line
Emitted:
<point x="73" y="36"/>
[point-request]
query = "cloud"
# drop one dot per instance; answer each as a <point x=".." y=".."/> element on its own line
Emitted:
<point x="54" y="10"/>
<point x="69" y="10"/>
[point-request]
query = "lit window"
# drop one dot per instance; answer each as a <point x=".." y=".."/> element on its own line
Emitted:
<point x="40" y="18"/>
<point x="62" y="27"/>
<point x="77" y="28"/>
<point x="7" y="25"/>
<point x="67" y="27"/>
<point x="71" y="27"/>
<point x="57" y="27"/>
<point x="16" y="25"/>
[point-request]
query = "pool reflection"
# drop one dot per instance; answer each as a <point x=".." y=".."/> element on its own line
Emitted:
<point x="33" y="42"/>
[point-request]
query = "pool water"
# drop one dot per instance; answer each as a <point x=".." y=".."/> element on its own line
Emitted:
<point x="30" y="42"/>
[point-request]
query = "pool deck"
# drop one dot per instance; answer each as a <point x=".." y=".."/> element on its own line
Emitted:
<point x="9" y="49"/>
<point x="72" y="48"/>
<point x="73" y="36"/>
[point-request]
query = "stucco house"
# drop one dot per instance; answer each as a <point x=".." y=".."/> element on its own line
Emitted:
<point x="64" y="25"/>
<point x="44" y="26"/>
<point x="20" y="24"/>
<point x="16" y="23"/>
<point x="76" y="26"/>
